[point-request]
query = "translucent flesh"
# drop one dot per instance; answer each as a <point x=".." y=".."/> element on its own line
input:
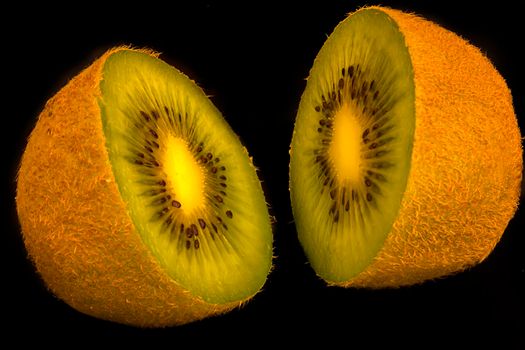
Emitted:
<point x="352" y="144"/>
<point x="190" y="188"/>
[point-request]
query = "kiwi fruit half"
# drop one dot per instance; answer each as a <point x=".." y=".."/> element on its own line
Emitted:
<point x="406" y="156"/>
<point x="137" y="202"/>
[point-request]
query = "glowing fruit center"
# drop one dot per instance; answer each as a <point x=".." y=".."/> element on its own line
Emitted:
<point x="345" y="148"/>
<point x="185" y="176"/>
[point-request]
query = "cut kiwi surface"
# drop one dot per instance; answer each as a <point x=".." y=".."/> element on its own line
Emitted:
<point x="191" y="190"/>
<point x="138" y="203"/>
<point x="393" y="133"/>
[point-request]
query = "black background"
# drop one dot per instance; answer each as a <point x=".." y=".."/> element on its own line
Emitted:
<point x="252" y="59"/>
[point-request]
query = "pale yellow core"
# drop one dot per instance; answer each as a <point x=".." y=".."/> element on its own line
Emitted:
<point x="185" y="175"/>
<point x="345" y="148"/>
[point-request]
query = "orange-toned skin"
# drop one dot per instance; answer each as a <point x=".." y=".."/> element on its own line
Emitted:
<point x="464" y="182"/>
<point x="76" y="227"/>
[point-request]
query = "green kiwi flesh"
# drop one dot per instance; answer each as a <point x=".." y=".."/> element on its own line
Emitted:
<point x="215" y="240"/>
<point x="351" y="147"/>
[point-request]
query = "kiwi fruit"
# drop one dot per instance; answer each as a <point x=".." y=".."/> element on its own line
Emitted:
<point x="406" y="156"/>
<point x="138" y="204"/>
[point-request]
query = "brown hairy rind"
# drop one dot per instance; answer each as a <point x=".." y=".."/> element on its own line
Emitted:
<point x="76" y="227"/>
<point x="464" y="182"/>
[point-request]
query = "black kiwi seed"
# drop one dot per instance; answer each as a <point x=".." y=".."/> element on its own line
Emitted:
<point x="153" y="192"/>
<point x="145" y="116"/>
<point x="176" y="204"/>
<point x="196" y="244"/>
<point x="189" y="232"/>
<point x="380" y="177"/>
<point x="364" y="88"/>
<point x="351" y="71"/>
<point x="368" y="197"/>
<point x="332" y="208"/>
<point x="381" y="165"/>
<point x="317" y="108"/>
<point x="153" y="133"/>
<point x="161" y="213"/>
<point x="194" y="229"/>
<point x="202" y="223"/>
<point x="229" y="214"/>
<point x="159" y="201"/>
<point x="188" y="244"/>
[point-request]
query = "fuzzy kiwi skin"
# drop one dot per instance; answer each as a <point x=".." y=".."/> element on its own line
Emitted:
<point x="76" y="227"/>
<point x="466" y="166"/>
